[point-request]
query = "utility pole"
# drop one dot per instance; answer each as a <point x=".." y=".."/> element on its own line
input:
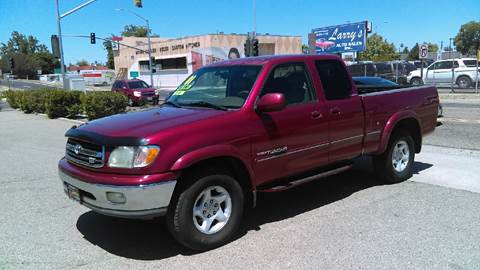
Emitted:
<point x="148" y="40"/>
<point x="453" y="71"/>
<point x="59" y="26"/>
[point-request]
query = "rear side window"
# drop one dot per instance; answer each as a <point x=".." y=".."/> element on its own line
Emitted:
<point x="470" y="63"/>
<point x="335" y="81"/>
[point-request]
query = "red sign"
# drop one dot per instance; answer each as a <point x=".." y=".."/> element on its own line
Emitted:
<point x="115" y="38"/>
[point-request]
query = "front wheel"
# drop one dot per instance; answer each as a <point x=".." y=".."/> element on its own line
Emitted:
<point x="207" y="213"/>
<point x="416" y="81"/>
<point x="395" y="165"/>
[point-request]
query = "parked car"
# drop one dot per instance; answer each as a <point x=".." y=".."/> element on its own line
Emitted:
<point x="236" y="128"/>
<point x="440" y="72"/>
<point x="373" y="81"/>
<point x="393" y="71"/>
<point x="137" y="91"/>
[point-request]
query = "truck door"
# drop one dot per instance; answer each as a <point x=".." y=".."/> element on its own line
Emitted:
<point x="294" y="139"/>
<point x="345" y="111"/>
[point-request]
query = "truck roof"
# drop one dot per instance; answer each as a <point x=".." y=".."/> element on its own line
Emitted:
<point x="261" y="60"/>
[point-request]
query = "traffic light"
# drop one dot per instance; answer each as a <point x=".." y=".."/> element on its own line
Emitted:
<point x="255" y="47"/>
<point x="92" y="38"/>
<point x="55" y="46"/>
<point x="154" y="65"/>
<point x="12" y="63"/>
<point x="247" y="47"/>
<point x="138" y="3"/>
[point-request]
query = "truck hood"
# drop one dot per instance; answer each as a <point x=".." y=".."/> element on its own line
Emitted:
<point x="142" y="124"/>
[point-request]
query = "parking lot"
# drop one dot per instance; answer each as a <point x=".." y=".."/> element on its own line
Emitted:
<point x="349" y="221"/>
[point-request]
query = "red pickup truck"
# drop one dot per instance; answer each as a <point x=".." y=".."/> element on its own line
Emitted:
<point x="236" y="128"/>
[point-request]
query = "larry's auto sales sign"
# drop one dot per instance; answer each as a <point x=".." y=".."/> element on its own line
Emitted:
<point x="341" y="38"/>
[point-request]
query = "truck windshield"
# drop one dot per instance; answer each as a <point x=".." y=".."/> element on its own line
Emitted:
<point x="219" y="87"/>
<point x="137" y="84"/>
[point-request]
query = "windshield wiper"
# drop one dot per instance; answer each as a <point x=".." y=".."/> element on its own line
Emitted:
<point x="174" y="104"/>
<point x="207" y="104"/>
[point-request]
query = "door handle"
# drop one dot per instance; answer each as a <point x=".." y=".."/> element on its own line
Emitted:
<point x="335" y="111"/>
<point x="316" y="115"/>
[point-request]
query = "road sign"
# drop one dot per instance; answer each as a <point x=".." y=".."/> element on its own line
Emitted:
<point x="134" y="74"/>
<point x="423" y="51"/>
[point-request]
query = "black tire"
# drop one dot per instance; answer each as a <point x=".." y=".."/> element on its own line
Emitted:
<point x="130" y="102"/>
<point x="384" y="165"/>
<point x="180" y="213"/>
<point x="416" y="81"/>
<point x="464" y="82"/>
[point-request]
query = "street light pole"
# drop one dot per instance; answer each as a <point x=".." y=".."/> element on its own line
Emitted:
<point x="149" y="53"/>
<point x="148" y="38"/>
<point x="60" y="45"/>
<point x="453" y="66"/>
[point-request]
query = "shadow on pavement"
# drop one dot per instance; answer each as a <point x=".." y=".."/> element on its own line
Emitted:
<point x="150" y="239"/>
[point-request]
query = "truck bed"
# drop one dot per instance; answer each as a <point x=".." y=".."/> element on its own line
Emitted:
<point x="384" y="104"/>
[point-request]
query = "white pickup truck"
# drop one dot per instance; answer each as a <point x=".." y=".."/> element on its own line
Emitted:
<point x="440" y="72"/>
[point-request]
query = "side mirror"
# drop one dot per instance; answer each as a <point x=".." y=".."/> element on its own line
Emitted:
<point x="271" y="102"/>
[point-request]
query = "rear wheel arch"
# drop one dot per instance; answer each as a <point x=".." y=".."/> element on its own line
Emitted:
<point x="409" y="124"/>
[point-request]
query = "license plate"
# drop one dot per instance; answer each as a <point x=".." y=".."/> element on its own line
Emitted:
<point x="149" y="98"/>
<point x="72" y="192"/>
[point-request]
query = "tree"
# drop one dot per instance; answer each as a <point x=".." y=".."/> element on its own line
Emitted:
<point x="467" y="39"/>
<point x="134" y="31"/>
<point x="432" y="47"/>
<point x="405" y="50"/>
<point x="107" y="44"/>
<point x="82" y="62"/>
<point x="46" y="62"/>
<point x="28" y="54"/>
<point x="378" y="49"/>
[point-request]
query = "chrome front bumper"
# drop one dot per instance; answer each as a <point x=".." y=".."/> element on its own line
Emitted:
<point x="142" y="202"/>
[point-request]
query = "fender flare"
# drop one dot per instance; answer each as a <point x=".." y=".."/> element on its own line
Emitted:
<point x="391" y="124"/>
<point x="212" y="151"/>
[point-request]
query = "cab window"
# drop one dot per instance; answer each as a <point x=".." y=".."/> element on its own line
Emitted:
<point x="293" y="81"/>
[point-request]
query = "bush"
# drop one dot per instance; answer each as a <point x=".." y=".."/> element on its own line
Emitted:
<point x="13" y="98"/>
<point x="34" y="101"/>
<point x="61" y="103"/>
<point x="101" y="104"/>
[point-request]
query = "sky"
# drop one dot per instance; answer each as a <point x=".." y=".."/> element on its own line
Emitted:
<point x="406" y="21"/>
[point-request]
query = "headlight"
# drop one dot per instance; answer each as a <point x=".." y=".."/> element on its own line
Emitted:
<point x="133" y="156"/>
<point x="157" y="92"/>
<point x="137" y="93"/>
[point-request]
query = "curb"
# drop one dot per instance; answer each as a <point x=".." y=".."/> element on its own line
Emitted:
<point x="63" y="119"/>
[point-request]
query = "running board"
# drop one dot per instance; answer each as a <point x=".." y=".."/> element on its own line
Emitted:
<point x="288" y="185"/>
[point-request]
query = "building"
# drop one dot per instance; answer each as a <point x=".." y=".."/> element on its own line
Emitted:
<point x="176" y="58"/>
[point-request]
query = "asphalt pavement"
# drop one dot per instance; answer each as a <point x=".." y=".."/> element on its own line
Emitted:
<point x="26" y="85"/>
<point x="348" y="221"/>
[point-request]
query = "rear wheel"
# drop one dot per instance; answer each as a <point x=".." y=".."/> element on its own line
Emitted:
<point x="395" y="165"/>
<point x="207" y="213"/>
<point x="464" y="82"/>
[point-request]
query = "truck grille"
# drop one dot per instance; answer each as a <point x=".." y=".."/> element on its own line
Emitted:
<point x="148" y="93"/>
<point x="84" y="153"/>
